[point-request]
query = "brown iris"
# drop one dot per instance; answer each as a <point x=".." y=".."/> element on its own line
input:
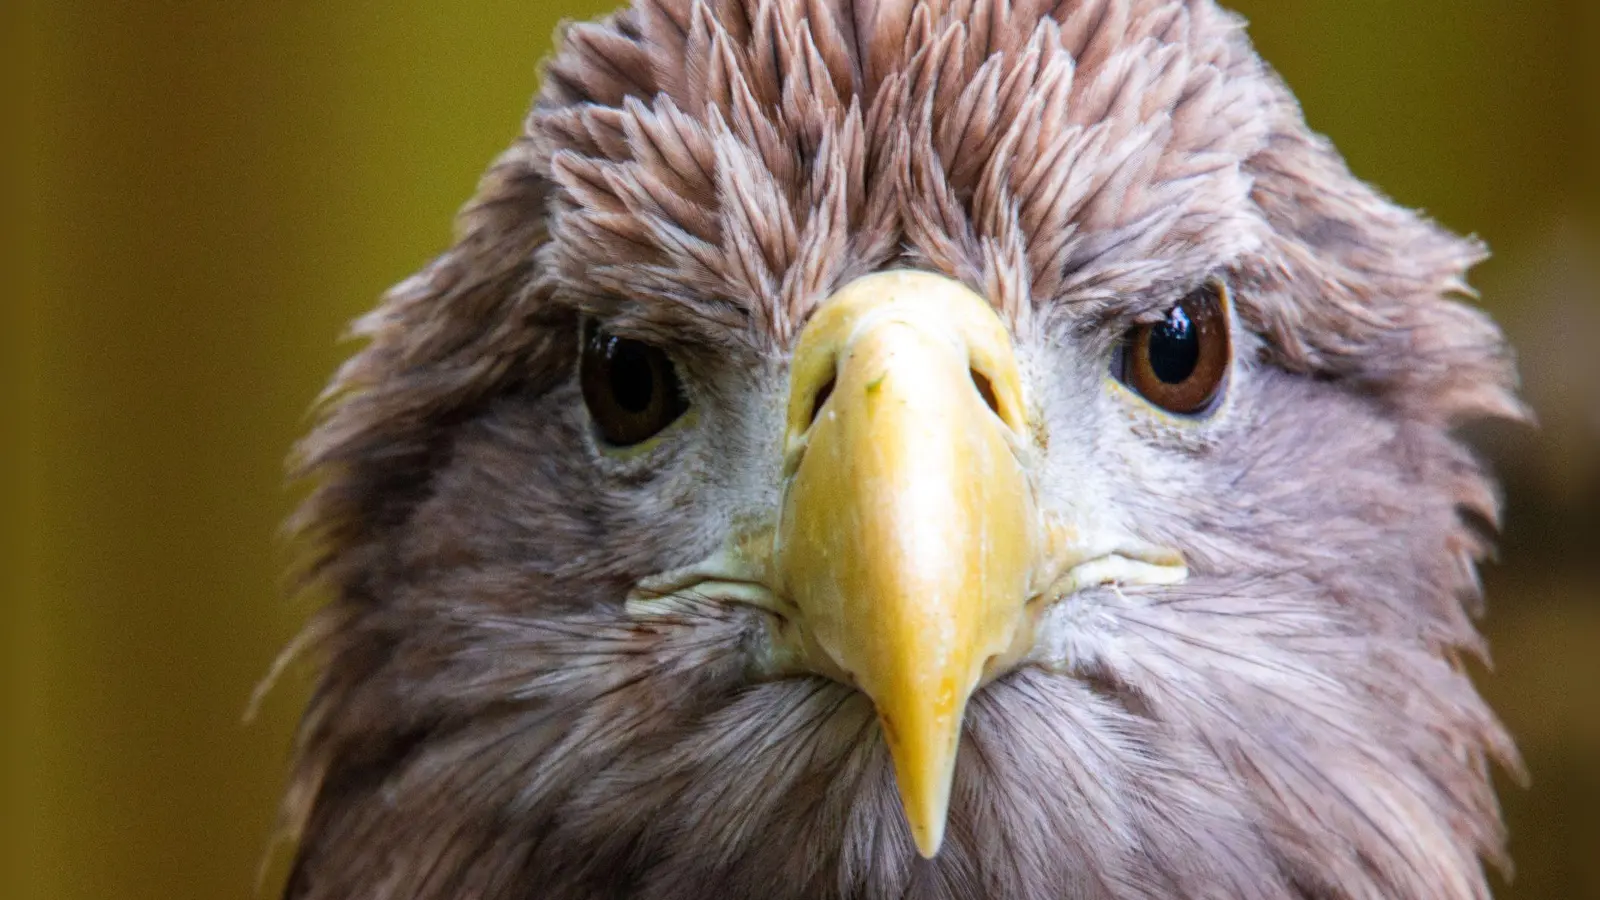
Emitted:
<point x="1180" y="362"/>
<point x="630" y="387"/>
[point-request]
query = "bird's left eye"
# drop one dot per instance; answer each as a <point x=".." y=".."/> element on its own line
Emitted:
<point x="1180" y="362"/>
<point x="630" y="387"/>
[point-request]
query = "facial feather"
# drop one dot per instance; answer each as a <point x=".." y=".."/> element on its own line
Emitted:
<point x="1293" y="721"/>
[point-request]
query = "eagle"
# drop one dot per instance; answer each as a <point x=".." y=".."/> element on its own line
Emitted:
<point x="908" y="449"/>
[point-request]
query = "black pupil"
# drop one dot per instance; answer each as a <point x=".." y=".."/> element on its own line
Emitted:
<point x="1174" y="347"/>
<point x="633" y="378"/>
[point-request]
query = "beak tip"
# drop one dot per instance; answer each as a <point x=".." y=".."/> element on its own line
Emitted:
<point x="925" y="800"/>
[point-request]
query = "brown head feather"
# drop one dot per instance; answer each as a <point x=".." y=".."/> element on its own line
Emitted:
<point x="701" y="173"/>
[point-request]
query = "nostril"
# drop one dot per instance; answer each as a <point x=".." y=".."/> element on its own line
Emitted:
<point x="986" y="390"/>
<point x="823" y="393"/>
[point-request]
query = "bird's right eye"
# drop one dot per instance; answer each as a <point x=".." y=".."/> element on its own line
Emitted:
<point x="631" y="388"/>
<point x="1181" y="362"/>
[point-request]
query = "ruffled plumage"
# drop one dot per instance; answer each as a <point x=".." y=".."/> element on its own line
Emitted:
<point x="702" y="172"/>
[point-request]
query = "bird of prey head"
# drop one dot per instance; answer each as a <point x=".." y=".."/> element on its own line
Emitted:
<point x="908" y="448"/>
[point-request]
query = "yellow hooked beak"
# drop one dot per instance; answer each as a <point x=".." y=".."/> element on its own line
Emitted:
<point x="909" y="533"/>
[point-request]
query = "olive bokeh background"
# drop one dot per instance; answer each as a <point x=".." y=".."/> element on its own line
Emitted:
<point x="207" y="192"/>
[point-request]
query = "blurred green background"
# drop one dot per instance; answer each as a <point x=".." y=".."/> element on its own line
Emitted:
<point x="209" y="191"/>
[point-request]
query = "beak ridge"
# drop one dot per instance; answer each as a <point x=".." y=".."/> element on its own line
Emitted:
<point x="908" y="533"/>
